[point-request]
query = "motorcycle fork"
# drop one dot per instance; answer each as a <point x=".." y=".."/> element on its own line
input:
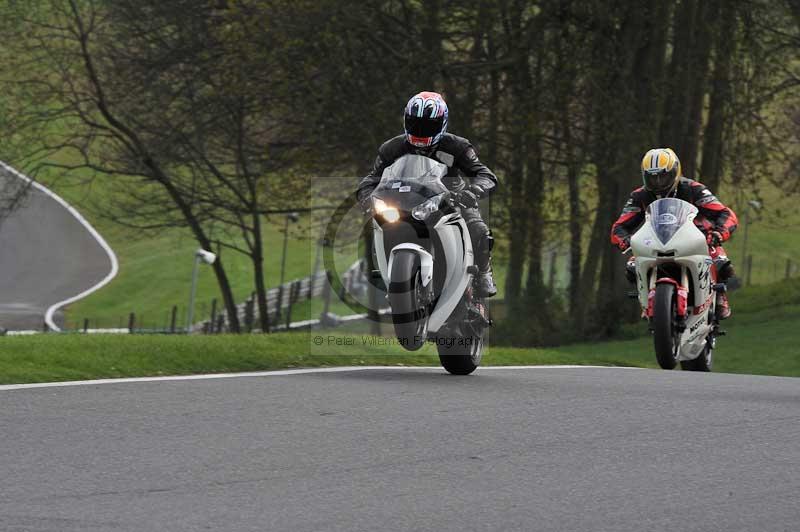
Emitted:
<point x="651" y="291"/>
<point x="682" y="302"/>
<point x="681" y="296"/>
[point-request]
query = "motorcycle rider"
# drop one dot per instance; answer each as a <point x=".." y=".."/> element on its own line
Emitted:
<point x="425" y="121"/>
<point x="662" y="178"/>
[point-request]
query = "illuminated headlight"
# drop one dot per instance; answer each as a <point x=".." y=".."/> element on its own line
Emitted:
<point x="422" y="211"/>
<point x="390" y="214"/>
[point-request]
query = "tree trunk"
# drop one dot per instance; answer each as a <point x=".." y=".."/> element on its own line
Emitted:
<point x="575" y="230"/>
<point x="566" y="70"/>
<point x="708" y="12"/>
<point x="628" y="96"/>
<point x="518" y="226"/>
<point x="676" y="112"/>
<point x="711" y="168"/>
<point x="432" y="44"/>
<point x="258" y="274"/>
<point x="535" y="291"/>
<point x="518" y="211"/>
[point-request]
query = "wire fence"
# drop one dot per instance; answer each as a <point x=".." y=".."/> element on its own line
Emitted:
<point x="307" y="302"/>
<point x="753" y="271"/>
<point x="766" y="270"/>
<point x="296" y="304"/>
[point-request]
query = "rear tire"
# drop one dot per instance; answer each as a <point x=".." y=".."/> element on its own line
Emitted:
<point x="407" y="298"/>
<point x="460" y="356"/>
<point x="665" y="337"/>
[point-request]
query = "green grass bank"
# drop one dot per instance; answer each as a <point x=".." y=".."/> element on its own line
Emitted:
<point x="764" y="342"/>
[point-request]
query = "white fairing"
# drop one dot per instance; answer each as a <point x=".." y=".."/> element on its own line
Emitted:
<point x="687" y="247"/>
<point x="458" y="257"/>
<point x="380" y="252"/>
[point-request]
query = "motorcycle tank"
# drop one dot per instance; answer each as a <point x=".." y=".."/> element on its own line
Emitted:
<point x="411" y="180"/>
<point x="668" y="215"/>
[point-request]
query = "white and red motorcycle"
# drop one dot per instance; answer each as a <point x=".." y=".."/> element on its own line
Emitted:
<point x="677" y="285"/>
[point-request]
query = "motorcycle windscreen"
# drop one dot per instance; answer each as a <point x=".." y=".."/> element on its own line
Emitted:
<point x="416" y="171"/>
<point x="668" y="215"/>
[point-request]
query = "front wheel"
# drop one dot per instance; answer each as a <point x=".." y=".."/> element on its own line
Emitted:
<point x="665" y="336"/>
<point x="460" y="355"/>
<point x="407" y="298"/>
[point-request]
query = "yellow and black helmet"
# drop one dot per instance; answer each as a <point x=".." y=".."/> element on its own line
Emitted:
<point x="661" y="169"/>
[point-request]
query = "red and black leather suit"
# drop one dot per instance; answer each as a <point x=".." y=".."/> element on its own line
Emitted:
<point x="713" y="216"/>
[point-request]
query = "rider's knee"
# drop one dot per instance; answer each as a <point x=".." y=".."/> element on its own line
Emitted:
<point x="483" y="241"/>
<point x="480" y="234"/>
<point x="486" y="242"/>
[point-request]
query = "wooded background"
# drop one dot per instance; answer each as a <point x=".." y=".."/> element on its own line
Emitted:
<point x="216" y="115"/>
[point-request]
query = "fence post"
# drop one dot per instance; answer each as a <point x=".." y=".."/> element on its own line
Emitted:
<point x="749" y="270"/>
<point x="249" y="313"/>
<point x="213" y="315"/>
<point x="293" y="291"/>
<point x="85" y="325"/>
<point x="326" y="295"/>
<point x="266" y="309"/>
<point x="173" y="318"/>
<point x="350" y="279"/>
<point x="131" y="322"/>
<point x="343" y="288"/>
<point x="279" y="305"/>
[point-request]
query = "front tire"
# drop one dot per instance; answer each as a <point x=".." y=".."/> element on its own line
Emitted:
<point x="461" y="355"/>
<point x="407" y="298"/>
<point x="665" y="337"/>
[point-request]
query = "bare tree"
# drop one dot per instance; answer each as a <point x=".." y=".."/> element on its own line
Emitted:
<point x="165" y="102"/>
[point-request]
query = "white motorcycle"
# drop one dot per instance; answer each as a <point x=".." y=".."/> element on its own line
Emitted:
<point x="424" y="256"/>
<point x="677" y="285"/>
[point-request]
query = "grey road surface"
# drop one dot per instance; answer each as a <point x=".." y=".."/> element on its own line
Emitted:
<point x="46" y="256"/>
<point x="390" y="449"/>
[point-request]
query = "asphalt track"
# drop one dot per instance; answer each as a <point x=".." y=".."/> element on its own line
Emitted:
<point x="46" y="256"/>
<point x="407" y="449"/>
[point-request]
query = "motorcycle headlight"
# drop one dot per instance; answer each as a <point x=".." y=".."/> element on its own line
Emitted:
<point x="390" y="214"/>
<point x="422" y="211"/>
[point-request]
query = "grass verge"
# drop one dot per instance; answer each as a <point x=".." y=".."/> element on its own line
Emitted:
<point x="758" y="343"/>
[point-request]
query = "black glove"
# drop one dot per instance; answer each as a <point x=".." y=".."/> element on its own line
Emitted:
<point x="469" y="197"/>
<point x="714" y="238"/>
<point x="366" y="206"/>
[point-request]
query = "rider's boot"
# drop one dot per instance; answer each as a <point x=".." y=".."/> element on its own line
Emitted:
<point x="723" y="307"/>
<point x="483" y="282"/>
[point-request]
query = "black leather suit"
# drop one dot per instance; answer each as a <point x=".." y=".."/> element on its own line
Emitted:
<point x="462" y="162"/>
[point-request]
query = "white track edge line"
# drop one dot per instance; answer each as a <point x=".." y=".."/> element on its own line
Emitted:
<point x="48" y="316"/>
<point x="275" y="373"/>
